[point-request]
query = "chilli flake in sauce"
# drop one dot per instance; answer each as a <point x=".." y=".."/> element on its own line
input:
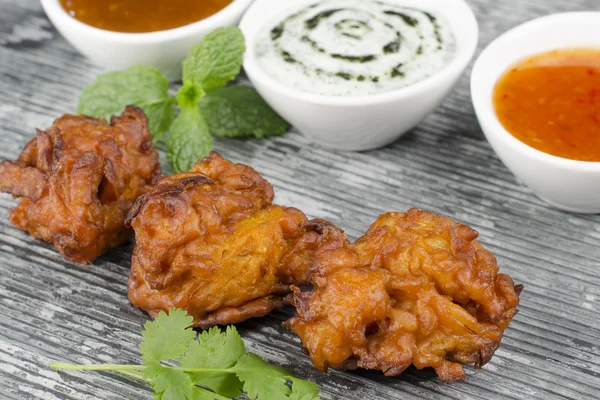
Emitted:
<point x="138" y="16"/>
<point x="551" y="102"/>
<point x="355" y="47"/>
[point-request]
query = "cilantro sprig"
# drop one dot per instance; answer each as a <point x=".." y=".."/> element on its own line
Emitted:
<point x="211" y="366"/>
<point x="206" y="105"/>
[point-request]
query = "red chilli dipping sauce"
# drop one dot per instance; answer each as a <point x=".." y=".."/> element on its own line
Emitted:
<point x="551" y="102"/>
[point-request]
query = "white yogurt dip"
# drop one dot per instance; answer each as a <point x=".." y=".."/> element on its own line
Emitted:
<point x="354" y="47"/>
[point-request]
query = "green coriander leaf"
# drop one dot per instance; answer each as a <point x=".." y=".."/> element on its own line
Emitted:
<point x="303" y="390"/>
<point x="152" y="369"/>
<point x="171" y="384"/>
<point x="227" y="346"/>
<point x="140" y="86"/>
<point x="189" y="95"/>
<point x="189" y="139"/>
<point x="167" y="337"/>
<point x="237" y="111"/>
<point x="204" y="394"/>
<point x="261" y="380"/>
<point x="216" y="349"/>
<point x="216" y="60"/>
<point x="213" y="367"/>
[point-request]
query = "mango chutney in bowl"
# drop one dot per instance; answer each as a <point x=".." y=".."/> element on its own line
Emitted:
<point x="117" y="34"/>
<point x="137" y="16"/>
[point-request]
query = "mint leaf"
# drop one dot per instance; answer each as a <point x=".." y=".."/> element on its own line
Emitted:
<point x="140" y="86"/>
<point x="167" y="337"/>
<point x="216" y="350"/>
<point x="160" y="117"/>
<point x="216" y="60"/>
<point x="261" y="380"/>
<point x="189" y="140"/>
<point x="238" y="111"/>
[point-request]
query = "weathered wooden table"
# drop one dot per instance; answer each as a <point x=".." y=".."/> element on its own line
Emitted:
<point x="51" y="309"/>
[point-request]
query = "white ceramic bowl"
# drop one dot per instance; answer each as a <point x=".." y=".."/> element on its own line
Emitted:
<point x="566" y="184"/>
<point x="359" y="122"/>
<point x="163" y="49"/>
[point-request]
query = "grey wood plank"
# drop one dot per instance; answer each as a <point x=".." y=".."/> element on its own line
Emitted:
<point x="51" y="309"/>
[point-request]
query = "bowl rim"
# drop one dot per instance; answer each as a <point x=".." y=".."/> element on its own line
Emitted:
<point x="484" y="107"/>
<point x="55" y="8"/>
<point x="455" y="67"/>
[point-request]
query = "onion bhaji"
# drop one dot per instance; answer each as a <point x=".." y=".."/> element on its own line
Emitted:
<point x="211" y="242"/>
<point x="417" y="289"/>
<point x="78" y="179"/>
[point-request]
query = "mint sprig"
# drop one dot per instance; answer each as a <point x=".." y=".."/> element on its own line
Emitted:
<point x="205" y="105"/>
<point x="211" y="366"/>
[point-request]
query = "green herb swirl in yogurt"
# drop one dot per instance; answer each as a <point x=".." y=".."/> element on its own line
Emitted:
<point x="355" y="47"/>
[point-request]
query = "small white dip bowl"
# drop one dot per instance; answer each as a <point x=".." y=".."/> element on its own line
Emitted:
<point x="118" y="50"/>
<point x="359" y="122"/>
<point x="566" y="184"/>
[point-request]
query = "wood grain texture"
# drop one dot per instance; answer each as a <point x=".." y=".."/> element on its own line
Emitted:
<point x="51" y="309"/>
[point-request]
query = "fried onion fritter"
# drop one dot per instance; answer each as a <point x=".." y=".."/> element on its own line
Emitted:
<point x="211" y="242"/>
<point x="78" y="179"/>
<point x="417" y="289"/>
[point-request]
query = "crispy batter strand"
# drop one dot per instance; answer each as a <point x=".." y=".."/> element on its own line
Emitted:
<point x="417" y="288"/>
<point x="78" y="179"/>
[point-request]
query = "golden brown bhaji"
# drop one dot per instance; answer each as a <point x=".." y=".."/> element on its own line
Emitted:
<point x="417" y="288"/>
<point x="211" y="242"/>
<point x="79" y="178"/>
